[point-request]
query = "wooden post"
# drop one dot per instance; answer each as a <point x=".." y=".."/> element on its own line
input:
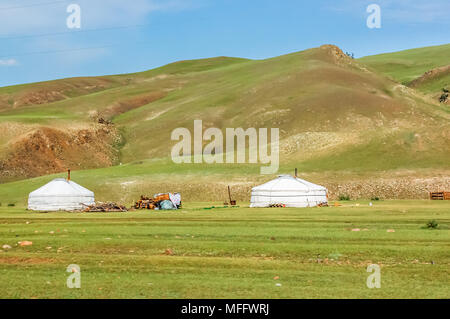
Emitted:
<point x="68" y="175"/>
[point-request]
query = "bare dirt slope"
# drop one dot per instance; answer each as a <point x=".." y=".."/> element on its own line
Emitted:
<point x="46" y="150"/>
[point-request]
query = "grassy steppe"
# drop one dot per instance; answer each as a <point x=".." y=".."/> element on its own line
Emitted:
<point x="230" y="253"/>
<point x="406" y="66"/>
<point x="333" y="114"/>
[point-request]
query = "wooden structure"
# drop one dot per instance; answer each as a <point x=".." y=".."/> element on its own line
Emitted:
<point x="440" y="195"/>
<point x="232" y="202"/>
<point x="151" y="203"/>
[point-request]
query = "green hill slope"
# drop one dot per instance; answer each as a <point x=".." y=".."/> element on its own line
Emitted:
<point x="336" y="118"/>
<point x="410" y="65"/>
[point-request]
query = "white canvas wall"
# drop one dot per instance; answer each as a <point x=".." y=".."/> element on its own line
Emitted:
<point x="290" y="191"/>
<point x="60" y="194"/>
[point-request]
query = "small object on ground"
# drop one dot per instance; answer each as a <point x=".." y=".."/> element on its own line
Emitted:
<point x="370" y="204"/>
<point x="278" y="285"/>
<point x="272" y="238"/>
<point x="432" y="224"/>
<point x="217" y="207"/>
<point x="155" y="202"/>
<point x="167" y="205"/>
<point x="25" y="243"/>
<point x="105" y="122"/>
<point x="232" y="202"/>
<point x="391" y="230"/>
<point x="277" y="206"/>
<point x="6" y="247"/>
<point x="336" y="204"/>
<point x="323" y="205"/>
<point x="51" y="232"/>
<point x="276" y="278"/>
<point x="356" y="229"/>
<point x="105" y="208"/>
<point x="169" y="252"/>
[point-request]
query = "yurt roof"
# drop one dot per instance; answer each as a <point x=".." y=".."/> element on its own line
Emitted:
<point x="288" y="183"/>
<point x="62" y="187"/>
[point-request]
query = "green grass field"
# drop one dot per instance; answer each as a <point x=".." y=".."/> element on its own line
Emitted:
<point x="405" y="66"/>
<point x="230" y="253"/>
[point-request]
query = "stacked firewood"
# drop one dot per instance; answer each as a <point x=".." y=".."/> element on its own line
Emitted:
<point x="150" y="202"/>
<point x="105" y="207"/>
<point x="145" y="203"/>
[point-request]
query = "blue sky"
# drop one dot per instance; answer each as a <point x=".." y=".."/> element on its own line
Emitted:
<point x="136" y="35"/>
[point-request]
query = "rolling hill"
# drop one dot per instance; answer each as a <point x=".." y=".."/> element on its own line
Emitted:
<point x="425" y="69"/>
<point x="346" y="123"/>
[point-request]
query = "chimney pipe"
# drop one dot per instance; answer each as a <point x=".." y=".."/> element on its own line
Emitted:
<point x="296" y="172"/>
<point x="68" y="175"/>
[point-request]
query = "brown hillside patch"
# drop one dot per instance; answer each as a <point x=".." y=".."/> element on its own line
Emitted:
<point x="335" y="54"/>
<point x="11" y="130"/>
<point x="48" y="150"/>
<point x="39" y="97"/>
<point x="130" y="104"/>
<point x="49" y="92"/>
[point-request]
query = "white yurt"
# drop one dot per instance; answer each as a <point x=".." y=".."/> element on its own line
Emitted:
<point x="290" y="191"/>
<point x="60" y="194"/>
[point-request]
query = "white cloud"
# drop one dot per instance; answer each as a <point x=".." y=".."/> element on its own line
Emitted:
<point x="8" y="62"/>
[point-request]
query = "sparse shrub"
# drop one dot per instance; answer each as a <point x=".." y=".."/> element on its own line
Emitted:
<point x="344" y="197"/>
<point x="432" y="224"/>
<point x="375" y="199"/>
<point x="11" y="205"/>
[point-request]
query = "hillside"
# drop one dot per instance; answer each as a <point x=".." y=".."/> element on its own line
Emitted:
<point x="341" y="122"/>
<point x="425" y="69"/>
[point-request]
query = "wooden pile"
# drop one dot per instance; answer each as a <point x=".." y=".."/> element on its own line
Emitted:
<point x="150" y="203"/>
<point x="440" y="196"/>
<point x="105" y="208"/>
